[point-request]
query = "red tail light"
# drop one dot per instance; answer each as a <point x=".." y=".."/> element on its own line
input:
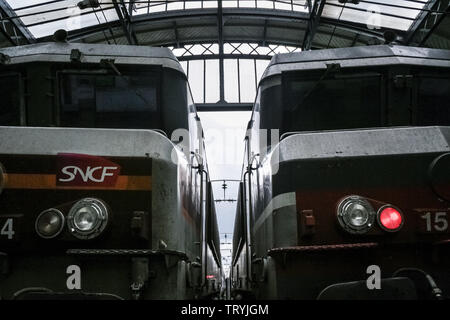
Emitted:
<point x="390" y="218"/>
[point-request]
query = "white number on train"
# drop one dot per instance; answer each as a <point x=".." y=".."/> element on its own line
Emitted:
<point x="440" y="221"/>
<point x="7" y="229"/>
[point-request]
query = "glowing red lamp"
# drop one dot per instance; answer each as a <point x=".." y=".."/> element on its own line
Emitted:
<point x="390" y="218"/>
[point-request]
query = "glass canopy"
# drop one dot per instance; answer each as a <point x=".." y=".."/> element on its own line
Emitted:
<point x="42" y="18"/>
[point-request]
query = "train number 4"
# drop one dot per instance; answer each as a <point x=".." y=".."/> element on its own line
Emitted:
<point x="7" y="229"/>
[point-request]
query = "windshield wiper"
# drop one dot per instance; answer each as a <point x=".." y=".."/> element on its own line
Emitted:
<point x="110" y="63"/>
<point x="331" y="68"/>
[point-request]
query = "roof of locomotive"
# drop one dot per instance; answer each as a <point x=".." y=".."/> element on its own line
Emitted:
<point x="357" y="57"/>
<point x="91" y="53"/>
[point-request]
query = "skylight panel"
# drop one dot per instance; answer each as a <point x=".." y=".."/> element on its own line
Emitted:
<point x="43" y="18"/>
<point x="376" y="14"/>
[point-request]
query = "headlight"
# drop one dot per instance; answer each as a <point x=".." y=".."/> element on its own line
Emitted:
<point x="355" y="214"/>
<point x="49" y="223"/>
<point x="87" y="218"/>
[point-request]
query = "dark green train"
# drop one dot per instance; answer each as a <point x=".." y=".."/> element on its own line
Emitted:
<point x="104" y="186"/>
<point x="347" y="193"/>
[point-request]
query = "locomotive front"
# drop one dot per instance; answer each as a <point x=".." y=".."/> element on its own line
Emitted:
<point x="103" y="205"/>
<point x="352" y="202"/>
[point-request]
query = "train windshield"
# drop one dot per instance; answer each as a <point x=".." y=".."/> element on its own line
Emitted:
<point x="10" y="100"/>
<point x="433" y="105"/>
<point x="336" y="102"/>
<point x="361" y="100"/>
<point x="96" y="100"/>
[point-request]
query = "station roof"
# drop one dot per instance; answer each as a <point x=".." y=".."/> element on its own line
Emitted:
<point x="225" y="45"/>
<point x="158" y="22"/>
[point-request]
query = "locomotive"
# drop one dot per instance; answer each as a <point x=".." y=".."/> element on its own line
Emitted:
<point x="345" y="185"/>
<point x="104" y="185"/>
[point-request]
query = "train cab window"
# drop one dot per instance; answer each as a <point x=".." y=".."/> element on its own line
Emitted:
<point x="336" y="102"/>
<point x="110" y="101"/>
<point x="10" y="100"/>
<point x="434" y="101"/>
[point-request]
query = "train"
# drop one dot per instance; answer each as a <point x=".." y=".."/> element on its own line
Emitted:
<point x="104" y="182"/>
<point x="345" y="185"/>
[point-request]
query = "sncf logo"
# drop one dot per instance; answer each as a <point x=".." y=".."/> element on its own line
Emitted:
<point x="88" y="175"/>
<point x="85" y="170"/>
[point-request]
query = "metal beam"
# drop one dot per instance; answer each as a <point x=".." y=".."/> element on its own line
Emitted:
<point x="419" y="22"/>
<point x="175" y="30"/>
<point x="7" y="30"/>
<point x="221" y="58"/>
<point x="199" y="15"/>
<point x="12" y="27"/>
<point x="124" y="18"/>
<point x="354" y="40"/>
<point x="224" y="56"/>
<point x="427" y="21"/>
<point x="315" y="12"/>
<point x="224" y="106"/>
<point x="257" y="13"/>
<point x="264" y="33"/>
<point x="437" y="22"/>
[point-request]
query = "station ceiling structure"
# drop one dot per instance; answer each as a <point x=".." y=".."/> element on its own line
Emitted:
<point x="224" y="46"/>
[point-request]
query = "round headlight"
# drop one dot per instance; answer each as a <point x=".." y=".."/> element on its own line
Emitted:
<point x="49" y="223"/>
<point x="355" y="214"/>
<point x="87" y="218"/>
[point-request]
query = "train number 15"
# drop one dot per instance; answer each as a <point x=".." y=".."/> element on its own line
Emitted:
<point x="440" y="222"/>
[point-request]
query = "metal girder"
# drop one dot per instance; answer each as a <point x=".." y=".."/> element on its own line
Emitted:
<point x="415" y="26"/>
<point x="12" y="27"/>
<point x="427" y="22"/>
<point x="6" y="30"/>
<point x="257" y="13"/>
<point x="224" y="106"/>
<point x="220" y="40"/>
<point x="124" y="18"/>
<point x="354" y="40"/>
<point x="199" y="14"/>
<point x="175" y="30"/>
<point x="315" y="12"/>
<point x="224" y="56"/>
<point x="263" y="42"/>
